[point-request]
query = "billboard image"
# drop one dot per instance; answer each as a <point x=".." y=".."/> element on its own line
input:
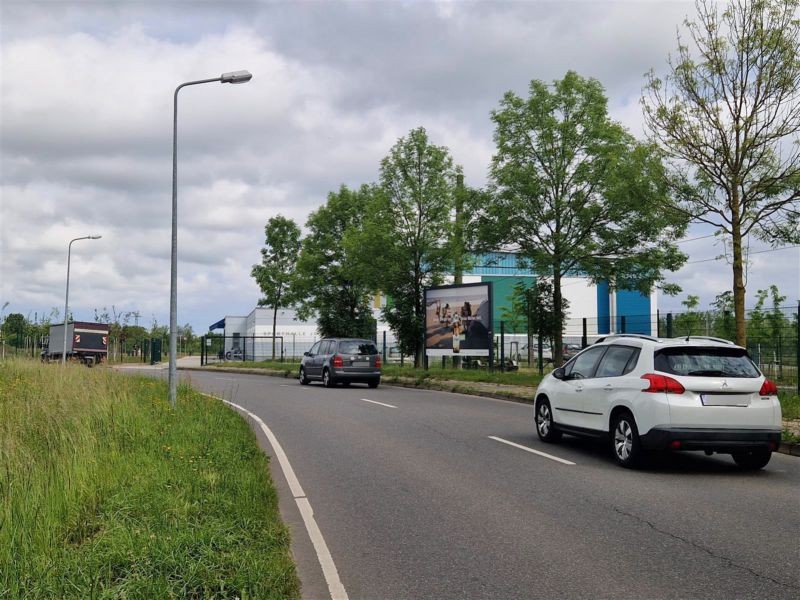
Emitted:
<point x="458" y="320"/>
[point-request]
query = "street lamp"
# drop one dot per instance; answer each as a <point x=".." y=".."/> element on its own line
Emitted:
<point x="232" y="77"/>
<point x="66" y="299"/>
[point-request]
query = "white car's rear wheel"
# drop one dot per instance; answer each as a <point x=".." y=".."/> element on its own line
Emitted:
<point x="752" y="460"/>
<point x="625" y="440"/>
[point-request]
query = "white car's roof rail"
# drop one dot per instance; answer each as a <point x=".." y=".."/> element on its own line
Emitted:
<point x="709" y="338"/>
<point x="639" y="336"/>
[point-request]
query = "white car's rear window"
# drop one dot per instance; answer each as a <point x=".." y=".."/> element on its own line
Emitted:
<point x="705" y="362"/>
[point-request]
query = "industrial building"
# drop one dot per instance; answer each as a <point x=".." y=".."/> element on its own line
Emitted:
<point x="604" y="310"/>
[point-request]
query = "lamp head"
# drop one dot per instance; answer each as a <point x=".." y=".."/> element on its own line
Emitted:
<point x="236" y="77"/>
<point x="95" y="237"/>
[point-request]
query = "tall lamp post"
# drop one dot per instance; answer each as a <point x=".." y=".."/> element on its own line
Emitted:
<point x="233" y="77"/>
<point x="66" y="299"/>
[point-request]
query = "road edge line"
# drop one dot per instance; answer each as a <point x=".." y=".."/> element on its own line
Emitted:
<point x="329" y="570"/>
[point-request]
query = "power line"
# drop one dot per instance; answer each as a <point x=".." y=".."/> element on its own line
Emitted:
<point x="704" y="237"/>
<point x="694" y="262"/>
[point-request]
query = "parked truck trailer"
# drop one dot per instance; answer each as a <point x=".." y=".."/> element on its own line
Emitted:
<point x="86" y="342"/>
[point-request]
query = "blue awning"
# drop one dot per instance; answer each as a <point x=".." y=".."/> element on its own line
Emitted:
<point x="218" y="325"/>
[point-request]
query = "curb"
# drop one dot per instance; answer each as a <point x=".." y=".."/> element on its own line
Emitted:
<point x="789" y="448"/>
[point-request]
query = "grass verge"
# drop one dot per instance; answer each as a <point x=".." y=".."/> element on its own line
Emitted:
<point x="107" y="492"/>
<point x="523" y="377"/>
<point x="790" y="406"/>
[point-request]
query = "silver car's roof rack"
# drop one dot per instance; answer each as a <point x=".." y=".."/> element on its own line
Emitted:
<point x="640" y="336"/>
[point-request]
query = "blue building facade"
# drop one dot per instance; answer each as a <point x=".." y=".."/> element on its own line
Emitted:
<point x="605" y="310"/>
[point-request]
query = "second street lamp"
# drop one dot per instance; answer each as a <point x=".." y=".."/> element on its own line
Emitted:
<point x="66" y="299"/>
<point x="232" y="77"/>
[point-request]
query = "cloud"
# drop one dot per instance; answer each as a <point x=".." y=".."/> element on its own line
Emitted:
<point x="86" y="102"/>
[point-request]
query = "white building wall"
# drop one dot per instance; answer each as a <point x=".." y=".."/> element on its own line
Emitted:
<point x="582" y="297"/>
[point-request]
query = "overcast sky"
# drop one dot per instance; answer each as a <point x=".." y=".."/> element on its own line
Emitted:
<point x="86" y="117"/>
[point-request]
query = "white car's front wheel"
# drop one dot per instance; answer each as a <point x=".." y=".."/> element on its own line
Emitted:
<point x="544" y="422"/>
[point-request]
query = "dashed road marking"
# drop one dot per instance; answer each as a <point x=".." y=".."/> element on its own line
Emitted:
<point x="531" y="450"/>
<point x="381" y="403"/>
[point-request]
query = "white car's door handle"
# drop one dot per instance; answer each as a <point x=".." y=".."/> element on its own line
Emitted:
<point x="608" y="388"/>
<point x="579" y="388"/>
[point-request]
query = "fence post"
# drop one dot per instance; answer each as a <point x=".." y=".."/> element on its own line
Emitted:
<point x="669" y="325"/>
<point x="584" y="336"/>
<point x="502" y="346"/>
<point x="202" y="350"/>
<point x="541" y="349"/>
<point x="622" y="324"/>
<point x="384" y="346"/>
<point x="658" y="323"/>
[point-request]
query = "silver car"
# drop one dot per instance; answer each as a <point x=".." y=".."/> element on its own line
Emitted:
<point x="341" y="360"/>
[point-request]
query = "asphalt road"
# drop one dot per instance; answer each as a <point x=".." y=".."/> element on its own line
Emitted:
<point x="417" y="500"/>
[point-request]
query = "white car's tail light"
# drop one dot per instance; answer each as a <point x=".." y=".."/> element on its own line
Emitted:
<point x="662" y="383"/>
<point x="768" y="389"/>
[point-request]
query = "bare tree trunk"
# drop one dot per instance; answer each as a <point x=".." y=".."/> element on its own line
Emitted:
<point x="419" y="357"/>
<point x="558" y="336"/>
<point x="274" y="328"/>
<point x="738" y="271"/>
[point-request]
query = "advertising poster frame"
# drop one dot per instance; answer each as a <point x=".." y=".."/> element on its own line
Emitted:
<point x="451" y="311"/>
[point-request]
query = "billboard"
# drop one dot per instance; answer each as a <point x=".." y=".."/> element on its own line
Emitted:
<point x="458" y="320"/>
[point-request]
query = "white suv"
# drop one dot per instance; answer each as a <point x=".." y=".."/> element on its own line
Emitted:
<point x="645" y="393"/>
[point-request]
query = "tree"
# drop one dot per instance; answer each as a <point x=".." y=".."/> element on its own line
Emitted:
<point x="730" y="113"/>
<point x="275" y="274"/>
<point x="690" y="321"/>
<point x="187" y="339"/>
<point x="533" y="306"/>
<point x="328" y="281"/>
<point x="405" y="245"/>
<point x="724" y="325"/>
<point x="14" y="329"/>
<point x="574" y="192"/>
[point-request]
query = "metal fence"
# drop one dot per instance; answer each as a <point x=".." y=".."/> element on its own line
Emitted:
<point x="772" y="339"/>
<point x="772" y="335"/>
<point x="216" y="349"/>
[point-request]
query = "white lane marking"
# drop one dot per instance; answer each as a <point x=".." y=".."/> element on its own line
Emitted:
<point x="550" y="456"/>
<point x="225" y="378"/>
<point x="329" y="570"/>
<point x="381" y="403"/>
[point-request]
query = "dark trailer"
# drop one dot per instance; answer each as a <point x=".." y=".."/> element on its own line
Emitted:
<point x="86" y="342"/>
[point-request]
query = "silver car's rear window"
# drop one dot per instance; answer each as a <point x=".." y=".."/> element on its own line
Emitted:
<point x="705" y="362"/>
<point x="357" y="347"/>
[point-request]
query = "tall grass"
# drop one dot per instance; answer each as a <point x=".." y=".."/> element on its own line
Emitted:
<point x="107" y="492"/>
